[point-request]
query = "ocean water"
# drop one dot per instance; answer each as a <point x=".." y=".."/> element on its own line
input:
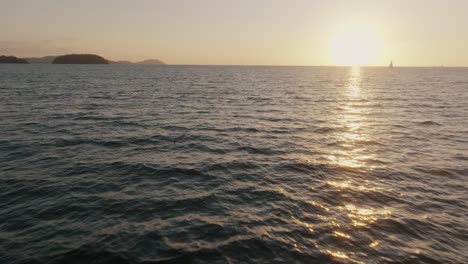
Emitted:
<point x="207" y="164"/>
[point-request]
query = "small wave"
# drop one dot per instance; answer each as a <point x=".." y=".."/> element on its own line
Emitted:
<point x="205" y="148"/>
<point x="232" y="166"/>
<point x="123" y="123"/>
<point x="244" y="129"/>
<point x="77" y="142"/>
<point x="368" y="142"/>
<point x="436" y="172"/>
<point x="429" y="123"/>
<point x="461" y="157"/>
<point x="326" y="130"/>
<point x="175" y="128"/>
<point x="375" y="161"/>
<point x="261" y="151"/>
<point x="302" y="167"/>
<point x="259" y="99"/>
<point x="276" y="119"/>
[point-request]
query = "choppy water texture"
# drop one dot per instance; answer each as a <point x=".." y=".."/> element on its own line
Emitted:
<point x="179" y="164"/>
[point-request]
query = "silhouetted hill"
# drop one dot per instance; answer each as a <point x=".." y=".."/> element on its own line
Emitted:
<point x="74" y="59"/>
<point x="11" y="59"/>
<point x="152" y="61"/>
<point x="80" y="59"/>
<point x="46" y="59"/>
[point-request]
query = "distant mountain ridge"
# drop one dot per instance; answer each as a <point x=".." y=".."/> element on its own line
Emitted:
<point x="50" y="59"/>
<point x="80" y="59"/>
<point x="147" y="62"/>
<point x="151" y="61"/>
<point x="12" y="59"/>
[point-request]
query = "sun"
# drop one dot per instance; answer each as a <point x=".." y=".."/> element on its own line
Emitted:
<point x="355" y="47"/>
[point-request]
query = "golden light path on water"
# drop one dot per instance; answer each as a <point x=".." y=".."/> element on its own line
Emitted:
<point x="354" y="216"/>
<point x="353" y="118"/>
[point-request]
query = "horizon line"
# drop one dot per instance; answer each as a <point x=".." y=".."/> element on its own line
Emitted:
<point x="252" y="65"/>
<point x="310" y="65"/>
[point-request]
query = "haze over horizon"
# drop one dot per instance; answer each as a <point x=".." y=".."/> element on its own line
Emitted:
<point x="255" y="32"/>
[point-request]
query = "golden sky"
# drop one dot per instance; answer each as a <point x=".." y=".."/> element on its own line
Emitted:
<point x="242" y="32"/>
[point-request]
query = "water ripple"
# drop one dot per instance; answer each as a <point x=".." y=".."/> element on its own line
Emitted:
<point x="232" y="165"/>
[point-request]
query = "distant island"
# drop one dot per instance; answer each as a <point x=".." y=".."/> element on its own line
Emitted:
<point x="80" y="59"/>
<point x="74" y="59"/>
<point x="147" y="62"/>
<point x="12" y="59"/>
<point x="152" y="62"/>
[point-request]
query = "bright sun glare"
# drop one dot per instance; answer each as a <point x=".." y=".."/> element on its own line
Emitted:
<point x="355" y="47"/>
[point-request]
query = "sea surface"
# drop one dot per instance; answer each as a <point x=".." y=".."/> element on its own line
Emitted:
<point x="211" y="164"/>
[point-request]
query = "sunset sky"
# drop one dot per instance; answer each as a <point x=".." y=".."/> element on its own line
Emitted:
<point x="242" y="32"/>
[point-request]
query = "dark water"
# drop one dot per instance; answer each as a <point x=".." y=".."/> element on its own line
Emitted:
<point x="149" y="164"/>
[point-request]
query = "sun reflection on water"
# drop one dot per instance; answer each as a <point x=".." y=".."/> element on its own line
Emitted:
<point x="352" y="217"/>
<point x="349" y="185"/>
<point x="353" y="119"/>
<point x="374" y="244"/>
<point x="337" y="254"/>
<point x="341" y="234"/>
<point x="354" y="83"/>
<point x="363" y="217"/>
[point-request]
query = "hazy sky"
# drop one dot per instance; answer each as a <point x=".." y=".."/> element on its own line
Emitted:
<point x="273" y="32"/>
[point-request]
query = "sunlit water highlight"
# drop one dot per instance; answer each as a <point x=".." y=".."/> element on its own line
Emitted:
<point x="179" y="164"/>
